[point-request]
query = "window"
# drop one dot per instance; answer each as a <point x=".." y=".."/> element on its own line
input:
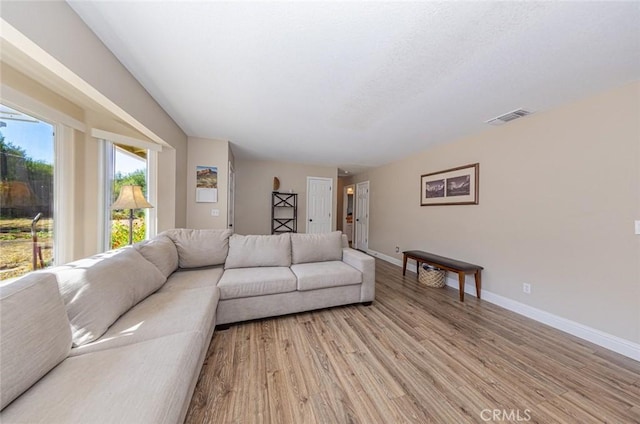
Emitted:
<point x="27" y="152"/>
<point x="127" y="162"/>
<point x="130" y="168"/>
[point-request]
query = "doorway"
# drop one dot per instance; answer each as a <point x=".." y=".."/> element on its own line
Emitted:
<point x="232" y="197"/>
<point x="319" y="204"/>
<point x="362" y="216"/>
<point x="348" y="211"/>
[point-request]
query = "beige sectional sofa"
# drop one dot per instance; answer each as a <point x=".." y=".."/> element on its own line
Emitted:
<point x="121" y="336"/>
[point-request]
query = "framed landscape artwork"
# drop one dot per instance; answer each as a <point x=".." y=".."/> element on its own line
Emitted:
<point x="455" y="186"/>
<point x="206" y="184"/>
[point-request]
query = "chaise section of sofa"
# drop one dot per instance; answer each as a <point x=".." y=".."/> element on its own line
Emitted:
<point x="146" y="382"/>
<point x="137" y="331"/>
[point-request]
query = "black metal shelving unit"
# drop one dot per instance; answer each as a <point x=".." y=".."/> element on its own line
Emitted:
<point x="284" y="212"/>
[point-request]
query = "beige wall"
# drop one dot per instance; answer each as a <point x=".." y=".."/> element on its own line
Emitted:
<point x="87" y="174"/>
<point x="207" y="152"/>
<point x="254" y="184"/>
<point x="80" y="50"/>
<point x="559" y="193"/>
<point x="167" y="178"/>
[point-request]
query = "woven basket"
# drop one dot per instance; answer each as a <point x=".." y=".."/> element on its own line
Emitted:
<point x="431" y="277"/>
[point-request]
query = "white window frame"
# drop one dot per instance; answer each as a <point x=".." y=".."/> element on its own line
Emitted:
<point x="105" y="169"/>
<point x="152" y="193"/>
<point x="63" y="195"/>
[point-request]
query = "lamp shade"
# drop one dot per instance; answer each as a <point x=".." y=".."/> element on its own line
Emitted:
<point x="131" y="197"/>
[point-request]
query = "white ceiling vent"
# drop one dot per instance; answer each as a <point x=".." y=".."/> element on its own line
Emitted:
<point x="509" y="116"/>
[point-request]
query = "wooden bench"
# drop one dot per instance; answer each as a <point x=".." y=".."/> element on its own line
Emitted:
<point x="462" y="268"/>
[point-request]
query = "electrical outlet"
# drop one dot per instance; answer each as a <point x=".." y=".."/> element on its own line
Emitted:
<point x="526" y="287"/>
<point x="397" y="249"/>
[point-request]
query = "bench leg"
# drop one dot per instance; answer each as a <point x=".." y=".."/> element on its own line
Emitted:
<point x="461" y="276"/>
<point x="404" y="264"/>
<point x="478" y="283"/>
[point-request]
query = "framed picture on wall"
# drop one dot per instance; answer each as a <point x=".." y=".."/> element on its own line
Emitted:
<point x="206" y="184"/>
<point x="455" y="186"/>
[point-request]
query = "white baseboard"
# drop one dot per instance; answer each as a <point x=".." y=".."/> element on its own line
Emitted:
<point x="390" y="259"/>
<point x="608" y="341"/>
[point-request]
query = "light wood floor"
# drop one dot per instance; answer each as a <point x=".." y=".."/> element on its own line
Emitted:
<point x="417" y="355"/>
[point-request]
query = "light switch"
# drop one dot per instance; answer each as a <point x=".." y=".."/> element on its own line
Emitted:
<point x="215" y="212"/>
<point x="637" y="227"/>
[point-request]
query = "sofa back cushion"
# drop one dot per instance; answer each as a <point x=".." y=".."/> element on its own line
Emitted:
<point x="198" y="248"/>
<point x="35" y="332"/>
<point x="255" y="251"/>
<point x="160" y="251"/>
<point x="316" y="247"/>
<point x="98" y="289"/>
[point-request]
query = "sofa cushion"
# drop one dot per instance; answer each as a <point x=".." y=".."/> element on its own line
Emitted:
<point x="247" y="282"/>
<point x="35" y="332"/>
<point x="198" y="248"/>
<point x="254" y="251"/>
<point x="186" y="279"/>
<point x="316" y="247"/>
<point x="144" y="383"/>
<point x="161" y="252"/>
<point x="160" y="314"/>
<point x="320" y="275"/>
<point x="98" y="289"/>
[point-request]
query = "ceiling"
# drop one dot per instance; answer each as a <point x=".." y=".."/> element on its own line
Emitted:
<point x="360" y="84"/>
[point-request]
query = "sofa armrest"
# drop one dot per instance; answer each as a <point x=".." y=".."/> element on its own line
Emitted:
<point x="367" y="266"/>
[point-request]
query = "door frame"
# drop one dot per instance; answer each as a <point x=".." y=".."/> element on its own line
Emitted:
<point x="306" y="222"/>
<point x="345" y="204"/>
<point x="359" y="186"/>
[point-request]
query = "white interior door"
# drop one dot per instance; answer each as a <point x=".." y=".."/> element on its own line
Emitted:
<point x="319" y="204"/>
<point x="232" y="197"/>
<point x="362" y="216"/>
